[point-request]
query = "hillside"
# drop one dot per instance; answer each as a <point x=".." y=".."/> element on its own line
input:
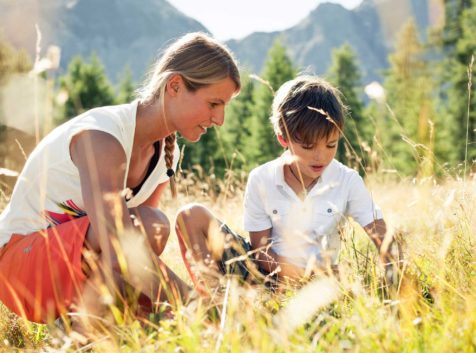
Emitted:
<point x="128" y="32"/>
<point x="120" y="32"/>
<point x="370" y="29"/>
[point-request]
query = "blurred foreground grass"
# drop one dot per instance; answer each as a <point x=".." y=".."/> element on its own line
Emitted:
<point x="432" y="309"/>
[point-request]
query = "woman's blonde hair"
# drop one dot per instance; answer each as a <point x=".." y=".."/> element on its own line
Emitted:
<point x="307" y="109"/>
<point x="201" y="61"/>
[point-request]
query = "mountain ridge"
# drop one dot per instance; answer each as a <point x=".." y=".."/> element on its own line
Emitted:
<point x="127" y="32"/>
<point x="370" y="29"/>
<point x="121" y="32"/>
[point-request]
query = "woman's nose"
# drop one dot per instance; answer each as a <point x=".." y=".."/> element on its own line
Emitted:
<point x="219" y="118"/>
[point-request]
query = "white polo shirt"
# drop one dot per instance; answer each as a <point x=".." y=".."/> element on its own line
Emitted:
<point x="306" y="230"/>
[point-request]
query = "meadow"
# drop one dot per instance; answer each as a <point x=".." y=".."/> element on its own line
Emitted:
<point x="430" y="307"/>
<point x="422" y="123"/>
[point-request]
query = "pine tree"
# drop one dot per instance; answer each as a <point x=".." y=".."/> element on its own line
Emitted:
<point x="409" y="137"/>
<point x="262" y="145"/>
<point x="126" y="87"/>
<point x="236" y="130"/>
<point x="453" y="27"/>
<point x="345" y="75"/>
<point x="459" y="45"/>
<point x="87" y="87"/>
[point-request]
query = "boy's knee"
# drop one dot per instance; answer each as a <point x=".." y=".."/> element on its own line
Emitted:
<point x="193" y="212"/>
<point x="193" y="220"/>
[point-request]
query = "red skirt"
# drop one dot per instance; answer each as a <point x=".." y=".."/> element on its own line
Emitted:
<point x="41" y="273"/>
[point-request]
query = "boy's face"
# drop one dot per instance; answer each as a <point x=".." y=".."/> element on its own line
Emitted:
<point x="313" y="160"/>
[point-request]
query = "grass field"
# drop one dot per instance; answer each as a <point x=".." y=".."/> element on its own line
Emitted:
<point x="432" y="308"/>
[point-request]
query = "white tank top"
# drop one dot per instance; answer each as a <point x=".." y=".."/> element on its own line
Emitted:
<point x="48" y="190"/>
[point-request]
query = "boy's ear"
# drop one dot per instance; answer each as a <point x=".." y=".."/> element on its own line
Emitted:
<point x="282" y="141"/>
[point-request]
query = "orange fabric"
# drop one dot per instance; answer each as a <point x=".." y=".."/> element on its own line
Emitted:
<point x="40" y="273"/>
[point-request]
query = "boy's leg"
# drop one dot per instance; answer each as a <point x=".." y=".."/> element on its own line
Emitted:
<point x="216" y="250"/>
<point x="199" y="230"/>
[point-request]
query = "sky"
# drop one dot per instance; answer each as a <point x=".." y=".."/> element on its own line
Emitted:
<point x="236" y="19"/>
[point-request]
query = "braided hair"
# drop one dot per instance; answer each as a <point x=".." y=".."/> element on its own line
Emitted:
<point x="169" y="160"/>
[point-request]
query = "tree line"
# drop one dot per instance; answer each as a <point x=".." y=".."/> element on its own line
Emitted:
<point x="423" y="122"/>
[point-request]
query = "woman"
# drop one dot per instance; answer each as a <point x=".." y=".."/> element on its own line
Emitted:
<point x="85" y="183"/>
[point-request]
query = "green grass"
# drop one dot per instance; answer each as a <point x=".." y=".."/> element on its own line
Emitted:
<point x="431" y="309"/>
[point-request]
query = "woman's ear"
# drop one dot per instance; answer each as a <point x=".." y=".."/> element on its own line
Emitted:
<point x="282" y="141"/>
<point x="173" y="84"/>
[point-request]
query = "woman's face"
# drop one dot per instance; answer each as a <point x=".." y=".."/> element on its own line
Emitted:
<point x="192" y="113"/>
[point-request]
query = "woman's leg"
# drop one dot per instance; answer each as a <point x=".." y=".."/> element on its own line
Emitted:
<point x="156" y="226"/>
<point x="163" y="284"/>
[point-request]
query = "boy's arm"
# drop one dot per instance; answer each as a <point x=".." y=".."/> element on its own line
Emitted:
<point x="269" y="261"/>
<point x="364" y="211"/>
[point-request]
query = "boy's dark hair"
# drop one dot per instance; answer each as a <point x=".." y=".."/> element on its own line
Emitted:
<point x="307" y="109"/>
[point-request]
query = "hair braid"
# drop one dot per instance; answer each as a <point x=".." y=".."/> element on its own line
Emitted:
<point x="169" y="161"/>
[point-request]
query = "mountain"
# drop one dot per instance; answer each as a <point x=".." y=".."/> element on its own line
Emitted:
<point x="370" y="29"/>
<point x="120" y="32"/>
<point x="131" y="32"/>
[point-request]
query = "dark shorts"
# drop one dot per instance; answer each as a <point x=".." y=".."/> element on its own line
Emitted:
<point x="237" y="256"/>
<point x="238" y="259"/>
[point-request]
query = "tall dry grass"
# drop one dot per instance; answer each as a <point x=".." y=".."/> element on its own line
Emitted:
<point x="432" y="308"/>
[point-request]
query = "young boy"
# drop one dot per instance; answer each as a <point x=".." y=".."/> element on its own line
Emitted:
<point x="294" y="204"/>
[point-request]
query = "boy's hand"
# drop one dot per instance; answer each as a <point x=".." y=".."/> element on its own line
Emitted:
<point x="388" y="266"/>
<point x="392" y="260"/>
<point x="287" y="269"/>
<point x="377" y="231"/>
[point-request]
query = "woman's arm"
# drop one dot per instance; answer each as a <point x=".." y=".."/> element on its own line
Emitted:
<point x="269" y="260"/>
<point x="101" y="162"/>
